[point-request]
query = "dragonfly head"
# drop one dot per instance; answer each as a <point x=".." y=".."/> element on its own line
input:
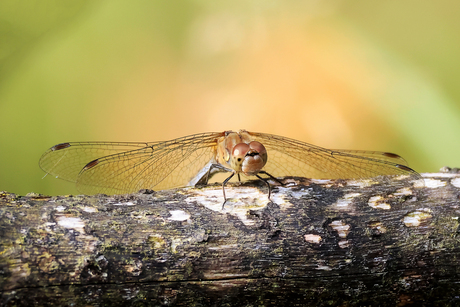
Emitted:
<point x="249" y="158"/>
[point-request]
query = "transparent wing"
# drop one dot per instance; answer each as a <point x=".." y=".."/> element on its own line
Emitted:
<point x="295" y="158"/>
<point x="66" y="160"/>
<point x="116" y="167"/>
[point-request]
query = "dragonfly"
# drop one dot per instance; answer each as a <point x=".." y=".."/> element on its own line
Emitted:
<point x="127" y="167"/>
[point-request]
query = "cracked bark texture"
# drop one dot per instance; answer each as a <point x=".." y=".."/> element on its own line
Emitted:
<point x="318" y="243"/>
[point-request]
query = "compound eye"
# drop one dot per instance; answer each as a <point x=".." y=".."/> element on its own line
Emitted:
<point x="254" y="145"/>
<point x="239" y="151"/>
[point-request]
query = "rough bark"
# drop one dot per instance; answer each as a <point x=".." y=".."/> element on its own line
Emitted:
<point x="322" y="243"/>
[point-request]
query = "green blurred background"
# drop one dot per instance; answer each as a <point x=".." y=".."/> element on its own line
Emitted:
<point x="376" y="75"/>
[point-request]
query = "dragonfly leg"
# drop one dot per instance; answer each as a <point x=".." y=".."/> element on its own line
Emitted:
<point x="207" y="175"/>
<point x="223" y="188"/>
<point x="213" y="169"/>
<point x="268" y="184"/>
<point x="272" y="177"/>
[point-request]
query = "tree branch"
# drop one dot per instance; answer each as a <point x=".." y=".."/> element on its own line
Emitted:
<point x="319" y="242"/>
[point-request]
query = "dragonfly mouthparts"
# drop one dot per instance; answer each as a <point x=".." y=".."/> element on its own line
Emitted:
<point x="252" y="153"/>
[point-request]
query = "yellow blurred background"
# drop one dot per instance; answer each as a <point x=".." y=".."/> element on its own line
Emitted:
<point x="375" y="75"/>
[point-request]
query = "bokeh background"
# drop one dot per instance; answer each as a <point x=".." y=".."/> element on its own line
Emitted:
<point x="376" y="75"/>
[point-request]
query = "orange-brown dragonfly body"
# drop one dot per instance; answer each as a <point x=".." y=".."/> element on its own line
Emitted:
<point x="125" y="167"/>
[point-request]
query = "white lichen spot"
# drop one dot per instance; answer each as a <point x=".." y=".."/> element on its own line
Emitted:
<point x="128" y="203"/>
<point x="60" y="208"/>
<point x="174" y="244"/>
<point x="311" y="238"/>
<point x="156" y="240"/>
<point x="89" y="209"/>
<point x="377" y="227"/>
<point x="362" y="183"/>
<point x="323" y="267"/>
<point x="239" y="200"/>
<point x="419" y="183"/>
<point x="178" y="215"/>
<point x="455" y="182"/>
<point x="377" y="202"/>
<point x="341" y="228"/>
<point x="344" y="243"/>
<point x="290" y="192"/>
<point x="439" y="175"/>
<point x="289" y="182"/>
<point x="434" y="183"/>
<point x="414" y="219"/>
<point x="225" y="246"/>
<point x="71" y="223"/>
<point x="279" y="198"/>
<point x="322" y="181"/>
<point x="346" y="200"/>
<point x="403" y="192"/>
